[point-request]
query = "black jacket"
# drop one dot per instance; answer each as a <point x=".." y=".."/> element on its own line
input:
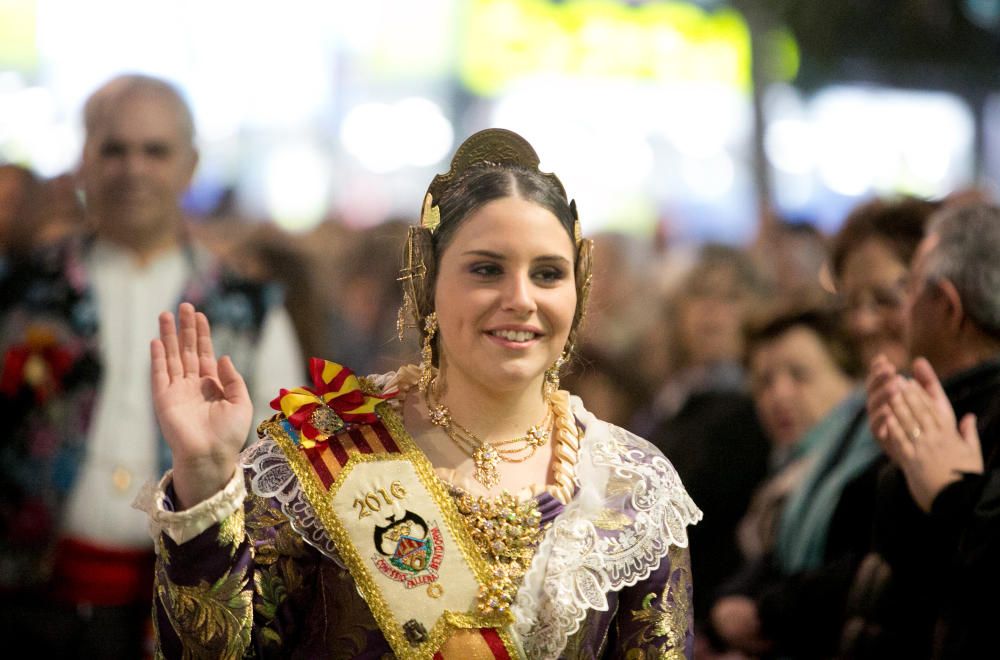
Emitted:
<point x="937" y="596"/>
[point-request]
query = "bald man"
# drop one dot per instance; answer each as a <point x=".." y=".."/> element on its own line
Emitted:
<point x="75" y="558"/>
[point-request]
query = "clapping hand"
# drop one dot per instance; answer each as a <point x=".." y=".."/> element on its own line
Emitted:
<point x="915" y="424"/>
<point x="202" y="405"/>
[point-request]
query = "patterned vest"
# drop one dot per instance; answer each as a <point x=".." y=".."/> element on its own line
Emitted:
<point x="50" y="377"/>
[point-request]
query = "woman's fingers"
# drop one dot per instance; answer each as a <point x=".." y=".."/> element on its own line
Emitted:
<point x="233" y="387"/>
<point x="188" y="339"/>
<point x="206" y="353"/>
<point x="172" y="354"/>
<point x="158" y="364"/>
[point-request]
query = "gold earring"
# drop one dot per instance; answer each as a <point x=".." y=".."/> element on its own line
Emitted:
<point x="551" y="383"/>
<point x="427" y="352"/>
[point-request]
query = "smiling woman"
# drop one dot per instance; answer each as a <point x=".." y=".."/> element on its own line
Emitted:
<point x="478" y="509"/>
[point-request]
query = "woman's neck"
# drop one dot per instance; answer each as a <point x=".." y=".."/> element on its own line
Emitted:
<point x="490" y="414"/>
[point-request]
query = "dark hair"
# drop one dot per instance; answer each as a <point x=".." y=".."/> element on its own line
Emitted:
<point x="489" y="165"/>
<point x="773" y="323"/>
<point x="898" y="223"/>
<point x="715" y="257"/>
<point x="484" y="184"/>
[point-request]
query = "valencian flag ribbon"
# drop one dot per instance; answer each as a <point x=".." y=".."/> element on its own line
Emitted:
<point x="336" y="397"/>
<point x="393" y="522"/>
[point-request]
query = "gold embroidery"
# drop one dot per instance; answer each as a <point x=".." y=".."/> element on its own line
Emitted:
<point x="212" y="621"/>
<point x="667" y="619"/>
<point x="273" y="584"/>
<point x="274" y="533"/>
<point x="611" y="520"/>
<point x="507" y="532"/>
<point x="618" y="486"/>
<point x="163" y="553"/>
<point x="232" y="531"/>
<point x="369" y="386"/>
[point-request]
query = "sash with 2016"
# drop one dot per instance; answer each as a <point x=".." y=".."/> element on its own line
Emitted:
<point x="392" y="521"/>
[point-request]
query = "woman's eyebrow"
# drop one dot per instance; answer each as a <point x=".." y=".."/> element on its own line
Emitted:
<point x="484" y="253"/>
<point x="489" y="254"/>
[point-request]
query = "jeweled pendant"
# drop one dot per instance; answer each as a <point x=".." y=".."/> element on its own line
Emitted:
<point x="486" y="460"/>
<point x="537" y="436"/>
<point x="326" y="421"/>
<point x="440" y="416"/>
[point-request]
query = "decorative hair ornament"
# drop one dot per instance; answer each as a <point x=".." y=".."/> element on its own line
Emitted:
<point x="413" y="271"/>
<point x="551" y="383"/>
<point x="493" y="147"/>
<point x="430" y="215"/>
<point x="427" y="352"/>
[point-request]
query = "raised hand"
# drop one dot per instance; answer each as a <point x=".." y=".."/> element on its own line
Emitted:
<point x="922" y="437"/>
<point x="202" y="405"/>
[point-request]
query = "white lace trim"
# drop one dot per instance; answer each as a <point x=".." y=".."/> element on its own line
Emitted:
<point x="272" y="476"/>
<point x="577" y="564"/>
<point x="182" y="526"/>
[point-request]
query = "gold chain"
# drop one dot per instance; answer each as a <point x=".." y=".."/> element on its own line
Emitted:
<point x="485" y="455"/>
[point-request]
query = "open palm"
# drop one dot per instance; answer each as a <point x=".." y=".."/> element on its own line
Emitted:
<point x="202" y="405"/>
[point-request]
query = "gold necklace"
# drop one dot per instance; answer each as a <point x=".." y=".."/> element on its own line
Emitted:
<point x="487" y="456"/>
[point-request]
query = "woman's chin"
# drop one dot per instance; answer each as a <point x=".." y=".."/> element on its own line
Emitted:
<point x="512" y="377"/>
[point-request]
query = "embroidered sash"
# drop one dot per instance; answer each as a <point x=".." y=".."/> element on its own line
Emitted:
<point x="400" y="535"/>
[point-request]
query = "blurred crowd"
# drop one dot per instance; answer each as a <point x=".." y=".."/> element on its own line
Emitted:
<point x="747" y="366"/>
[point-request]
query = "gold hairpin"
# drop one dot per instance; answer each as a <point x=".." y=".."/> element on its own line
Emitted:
<point x="430" y="215"/>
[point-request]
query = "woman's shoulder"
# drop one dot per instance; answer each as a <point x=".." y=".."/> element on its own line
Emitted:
<point x="629" y="472"/>
<point x="631" y="447"/>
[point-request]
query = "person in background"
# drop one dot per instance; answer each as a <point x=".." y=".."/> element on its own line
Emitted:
<point x="704" y="416"/>
<point x="801" y="365"/>
<point x="75" y="558"/>
<point x="19" y="193"/>
<point x="936" y="529"/>
<point x="798" y="605"/>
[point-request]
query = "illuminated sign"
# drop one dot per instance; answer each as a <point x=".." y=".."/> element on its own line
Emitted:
<point x="18" y="50"/>
<point x="505" y="40"/>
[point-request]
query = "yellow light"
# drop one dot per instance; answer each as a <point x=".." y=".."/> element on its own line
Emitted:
<point x="18" y="47"/>
<point x="507" y="40"/>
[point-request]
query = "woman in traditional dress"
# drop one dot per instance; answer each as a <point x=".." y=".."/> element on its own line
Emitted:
<point x="466" y="507"/>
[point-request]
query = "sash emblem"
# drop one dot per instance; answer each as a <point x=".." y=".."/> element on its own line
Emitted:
<point x="417" y="555"/>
